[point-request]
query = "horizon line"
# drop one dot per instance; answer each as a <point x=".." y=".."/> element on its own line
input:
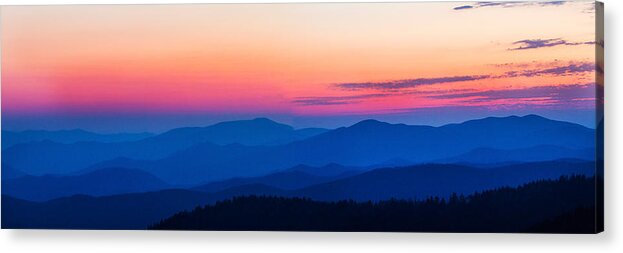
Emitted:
<point x="294" y="128"/>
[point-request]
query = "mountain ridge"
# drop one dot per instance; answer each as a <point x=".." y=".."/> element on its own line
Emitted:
<point x="359" y="145"/>
<point x="11" y="138"/>
<point x="137" y="210"/>
<point x="107" y="181"/>
<point x="87" y="153"/>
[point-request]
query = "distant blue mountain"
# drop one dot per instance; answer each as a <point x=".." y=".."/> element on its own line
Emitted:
<point x="9" y="172"/>
<point x="107" y="181"/>
<point x="366" y="143"/>
<point x="284" y="180"/>
<point x="138" y="210"/>
<point x="127" y="211"/>
<point x="11" y="138"/>
<point x="48" y="157"/>
<point x="329" y="170"/>
<point x="294" y="178"/>
<point x="531" y="154"/>
<point x="259" y="131"/>
<point x="421" y="181"/>
<point x="373" y="142"/>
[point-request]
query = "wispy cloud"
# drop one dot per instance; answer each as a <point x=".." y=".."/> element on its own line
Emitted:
<point x="540" y="43"/>
<point x="421" y="87"/>
<point x="336" y="100"/>
<point x="555" y="94"/>
<point x="551" y="3"/>
<point x="571" y="95"/>
<point x="464" y="7"/>
<point x="508" y="4"/>
<point x="590" y="7"/>
<point x="438" y="92"/>
<point x="408" y="83"/>
<point x="571" y="69"/>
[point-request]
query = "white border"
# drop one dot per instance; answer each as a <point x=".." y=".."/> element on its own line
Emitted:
<point x="51" y="241"/>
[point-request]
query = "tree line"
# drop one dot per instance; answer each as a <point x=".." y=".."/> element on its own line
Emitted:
<point x="565" y="205"/>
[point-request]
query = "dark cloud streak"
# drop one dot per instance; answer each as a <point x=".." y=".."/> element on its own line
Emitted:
<point x="408" y="83"/>
<point x="557" y="94"/>
<point x="540" y="43"/>
<point x="463" y="7"/>
<point x="554" y="94"/>
<point x="574" y="68"/>
<point x="335" y="100"/>
<point x="508" y="4"/>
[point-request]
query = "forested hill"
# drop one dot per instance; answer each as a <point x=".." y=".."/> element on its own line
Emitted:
<point x="527" y="207"/>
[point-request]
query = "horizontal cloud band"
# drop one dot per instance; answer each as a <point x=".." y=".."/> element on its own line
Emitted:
<point x="560" y="93"/>
<point x="564" y="96"/>
<point x="509" y="4"/>
<point x="409" y="83"/>
<point x="540" y="43"/>
<point x="397" y="85"/>
<point x="336" y="100"/>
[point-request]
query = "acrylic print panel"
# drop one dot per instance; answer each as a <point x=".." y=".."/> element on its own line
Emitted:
<point x="394" y="117"/>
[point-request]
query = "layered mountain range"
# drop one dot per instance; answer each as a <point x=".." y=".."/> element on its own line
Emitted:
<point x="187" y="156"/>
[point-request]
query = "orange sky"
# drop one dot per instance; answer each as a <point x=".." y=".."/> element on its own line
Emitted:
<point x="289" y="58"/>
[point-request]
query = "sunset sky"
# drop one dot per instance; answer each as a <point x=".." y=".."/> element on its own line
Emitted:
<point x="115" y="68"/>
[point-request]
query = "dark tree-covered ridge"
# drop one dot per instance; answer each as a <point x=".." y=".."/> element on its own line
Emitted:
<point x="537" y="206"/>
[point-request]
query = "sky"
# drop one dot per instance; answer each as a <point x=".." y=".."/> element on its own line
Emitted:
<point x="129" y="68"/>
